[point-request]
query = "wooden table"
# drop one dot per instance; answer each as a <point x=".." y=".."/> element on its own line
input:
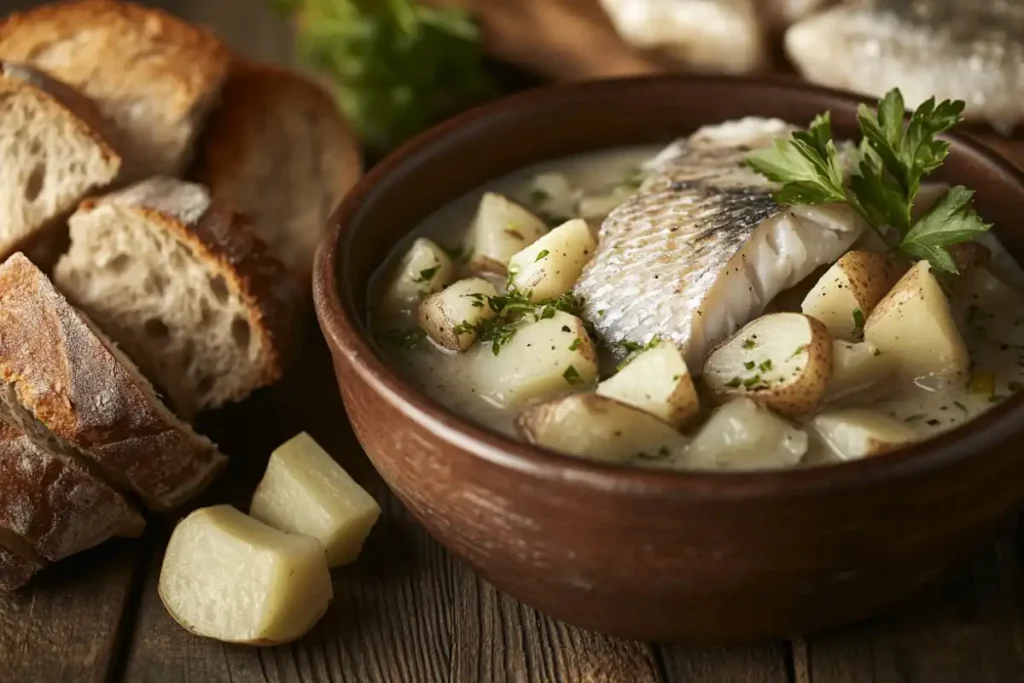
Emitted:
<point x="408" y="611"/>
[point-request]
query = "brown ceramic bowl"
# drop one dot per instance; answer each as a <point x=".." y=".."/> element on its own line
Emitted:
<point x="656" y="555"/>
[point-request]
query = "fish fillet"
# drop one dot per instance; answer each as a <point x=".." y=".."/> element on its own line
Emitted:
<point x="702" y="247"/>
<point x="971" y="50"/>
<point x="716" y="35"/>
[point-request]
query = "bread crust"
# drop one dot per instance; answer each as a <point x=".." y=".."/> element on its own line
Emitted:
<point x="120" y="50"/>
<point x="223" y="239"/>
<point x="55" y="505"/>
<point x="86" y="395"/>
<point x="15" y="570"/>
<point x="239" y="157"/>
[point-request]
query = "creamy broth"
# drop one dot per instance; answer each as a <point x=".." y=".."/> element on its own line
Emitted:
<point x="990" y="319"/>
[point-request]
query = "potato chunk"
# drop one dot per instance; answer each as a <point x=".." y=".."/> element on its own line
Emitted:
<point x="229" y="577"/>
<point x="501" y="228"/>
<point x="597" y="427"/>
<point x="451" y="317"/>
<point x="304" y="491"/>
<point x="781" y="360"/>
<point x="424" y="269"/>
<point x="549" y="267"/>
<point x="857" y="368"/>
<point x="914" y="327"/>
<point x="858" y="433"/>
<point x="848" y="292"/>
<point x="743" y="435"/>
<point x="543" y="359"/>
<point x="658" y="382"/>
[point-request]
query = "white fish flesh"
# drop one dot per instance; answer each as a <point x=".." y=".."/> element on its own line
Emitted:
<point x="707" y="35"/>
<point x="702" y="247"/>
<point x="971" y="50"/>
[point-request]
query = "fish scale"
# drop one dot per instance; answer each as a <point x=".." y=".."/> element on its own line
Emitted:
<point x="702" y="247"/>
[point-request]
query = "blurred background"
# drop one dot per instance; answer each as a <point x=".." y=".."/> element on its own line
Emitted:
<point x="398" y="66"/>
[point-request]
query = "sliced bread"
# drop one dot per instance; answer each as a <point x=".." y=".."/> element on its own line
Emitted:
<point x="279" y="151"/>
<point x="55" y="505"/>
<point x="74" y="393"/>
<point x="55" y="150"/>
<point x="181" y="282"/>
<point x="15" y="570"/>
<point x="152" y="75"/>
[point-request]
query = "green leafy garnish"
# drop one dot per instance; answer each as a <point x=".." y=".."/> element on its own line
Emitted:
<point x="895" y="156"/>
<point x="858" y="319"/>
<point x="765" y="366"/>
<point x="427" y="273"/>
<point x="575" y="344"/>
<point x="514" y="308"/>
<point x="749" y="365"/>
<point x="572" y="376"/>
<point x="734" y="383"/>
<point x="798" y="350"/>
<point x="541" y="254"/>
<point x="399" y="65"/>
<point x="634" y="349"/>
<point x="749" y="344"/>
<point x="409" y="339"/>
<point x="538" y="196"/>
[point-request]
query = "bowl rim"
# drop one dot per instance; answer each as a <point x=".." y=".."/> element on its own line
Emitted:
<point x="339" y="321"/>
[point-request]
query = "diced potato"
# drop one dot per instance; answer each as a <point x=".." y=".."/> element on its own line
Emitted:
<point x="450" y="317"/>
<point x="858" y="433"/>
<point x="849" y="291"/>
<point x="424" y="269"/>
<point x="598" y="427"/>
<point x="551" y="194"/>
<point x="229" y="577"/>
<point x="549" y="267"/>
<point x="743" y="435"/>
<point x="658" y="382"/>
<point x="543" y="359"/>
<point x="858" y="368"/>
<point x="501" y="228"/>
<point x="781" y="360"/>
<point x="304" y="491"/>
<point x="914" y="327"/>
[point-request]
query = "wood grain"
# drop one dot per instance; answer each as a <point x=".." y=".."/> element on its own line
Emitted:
<point x="66" y="624"/>
<point x="768" y="663"/>
<point x="969" y="629"/>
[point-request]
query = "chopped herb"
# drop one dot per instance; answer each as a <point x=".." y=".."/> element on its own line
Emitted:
<point x="749" y="365"/>
<point x="600" y="313"/>
<point x="634" y="349"/>
<point x="676" y="378"/>
<point x="933" y="422"/>
<point x="409" y="339"/>
<point x="538" y="196"/>
<point x="515" y="308"/>
<point x="427" y="273"/>
<point x="752" y="382"/>
<point x="800" y="349"/>
<point x="858" y="319"/>
<point x="465" y="327"/>
<point x="877" y="352"/>
<point x="960" y="405"/>
<point x="734" y="383"/>
<point x="542" y="254"/>
<point x="572" y="376"/>
<point x="575" y="344"/>
<point x="749" y="344"/>
<point x="765" y="366"/>
<point x="915" y="418"/>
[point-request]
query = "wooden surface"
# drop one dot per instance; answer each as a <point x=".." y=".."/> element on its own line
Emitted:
<point x="407" y="611"/>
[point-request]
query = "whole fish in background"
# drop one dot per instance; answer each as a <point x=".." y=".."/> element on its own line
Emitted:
<point x="702" y="247"/>
<point x="970" y="50"/>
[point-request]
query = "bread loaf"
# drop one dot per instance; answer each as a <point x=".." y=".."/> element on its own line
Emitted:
<point x="72" y="392"/>
<point x="185" y="287"/>
<point x="152" y="75"/>
<point x="15" y="570"/>
<point x="278" y="150"/>
<point x="54" y="149"/>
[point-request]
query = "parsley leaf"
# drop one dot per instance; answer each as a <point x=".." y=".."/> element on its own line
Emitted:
<point x="807" y="165"/>
<point x="951" y="221"/>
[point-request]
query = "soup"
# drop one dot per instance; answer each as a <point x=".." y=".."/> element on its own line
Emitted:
<point x="807" y="344"/>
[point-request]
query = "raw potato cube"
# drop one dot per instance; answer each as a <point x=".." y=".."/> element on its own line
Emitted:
<point x="849" y="291"/>
<point x="743" y="435"/>
<point x="549" y="267"/>
<point x="859" y="433"/>
<point x="781" y="360"/>
<point x="501" y="228"/>
<point x="450" y="317"/>
<point x="543" y="359"/>
<point x="597" y="427"/>
<point x="858" y="368"/>
<point x="304" y="491"/>
<point x="424" y="269"/>
<point x="657" y="381"/>
<point x="229" y="577"/>
<point x="914" y="327"/>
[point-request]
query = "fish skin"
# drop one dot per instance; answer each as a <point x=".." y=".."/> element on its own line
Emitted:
<point x="970" y="50"/>
<point x="702" y="247"/>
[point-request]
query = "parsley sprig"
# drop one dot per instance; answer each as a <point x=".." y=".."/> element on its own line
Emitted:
<point x="514" y="309"/>
<point x="895" y="156"/>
